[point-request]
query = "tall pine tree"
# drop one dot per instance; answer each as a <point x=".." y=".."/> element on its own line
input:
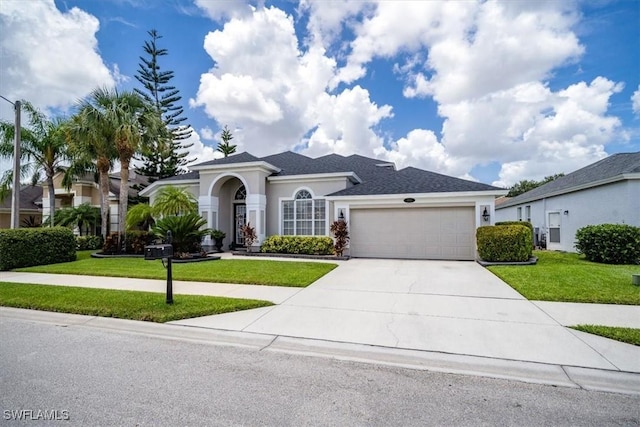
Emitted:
<point x="225" y="147"/>
<point x="162" y="157"/>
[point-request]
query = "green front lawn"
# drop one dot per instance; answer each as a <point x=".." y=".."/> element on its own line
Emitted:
<point x="569" y="277"/>
<point x="628" y="335"/>
<point x="256" y="272"/>
<point x="132" y="305"/>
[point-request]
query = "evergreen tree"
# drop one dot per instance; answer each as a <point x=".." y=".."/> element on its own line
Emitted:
<point x="526" y="185"/>
<point x="225" y="147"/>
<point x="162" y="157"/>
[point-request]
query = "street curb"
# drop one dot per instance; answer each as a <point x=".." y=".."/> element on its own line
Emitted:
<point x="528" y="372"/>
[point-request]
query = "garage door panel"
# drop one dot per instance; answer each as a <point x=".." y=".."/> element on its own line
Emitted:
<point x="421" y="233"/>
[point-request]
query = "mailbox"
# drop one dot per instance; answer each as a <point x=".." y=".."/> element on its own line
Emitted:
<point x="158" y="252"/>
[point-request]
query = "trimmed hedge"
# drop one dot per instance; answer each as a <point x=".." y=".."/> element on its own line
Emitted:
<point x="308" y="245"/>
<point x="25" y="247"/>
<point x="504" y="243"/>
<point x="609" y="243"/>
<point x="521" y="224"/>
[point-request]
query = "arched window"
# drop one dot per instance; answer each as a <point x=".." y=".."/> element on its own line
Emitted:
<point x="303" y="215"/>
<point x="241" y="194"/>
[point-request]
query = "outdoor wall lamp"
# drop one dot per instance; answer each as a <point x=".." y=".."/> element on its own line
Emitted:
<point x="566" y="212"/>
<point x="485" y="214"/>
<point x="341" y="214"/>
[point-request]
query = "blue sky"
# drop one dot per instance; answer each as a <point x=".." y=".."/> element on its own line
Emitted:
<point x="495" y="91"/>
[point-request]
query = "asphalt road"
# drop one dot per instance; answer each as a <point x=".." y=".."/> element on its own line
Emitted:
<point x="95" y="377"/>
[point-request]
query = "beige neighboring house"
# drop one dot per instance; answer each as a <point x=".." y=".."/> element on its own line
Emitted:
<point x="30" y="206"/>
<point x="34" y="200"/>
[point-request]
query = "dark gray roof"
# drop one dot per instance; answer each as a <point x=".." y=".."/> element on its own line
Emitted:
<point x="377" y="176"/>
<point x="412" y="181"/>
<point x="610" y="167"/>
<point x="30" y="198"/>
<point x="243" y="157"/>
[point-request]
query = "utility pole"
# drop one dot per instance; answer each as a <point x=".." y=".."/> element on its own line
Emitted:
<point x="15" y="201"/>
<point x="15" y="193"/>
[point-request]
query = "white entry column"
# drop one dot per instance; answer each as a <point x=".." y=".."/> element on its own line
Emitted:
<point x="256" y="207"/>
<point x="208" y="209"/>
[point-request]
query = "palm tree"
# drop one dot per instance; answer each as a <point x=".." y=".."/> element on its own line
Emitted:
<point x="174" y="201"/>
<point x="91" y="144"/>
<point x="43" y="149"/>
<point x="118" y="121"/>
<point x="81" y="216"/>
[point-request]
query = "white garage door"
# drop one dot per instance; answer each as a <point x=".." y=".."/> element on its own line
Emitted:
<point x="413" y="233"/>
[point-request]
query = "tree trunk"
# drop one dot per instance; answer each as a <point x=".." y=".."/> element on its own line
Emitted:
<point x="104" y="192"/>
<point x="52" y="199"/>
<point x="124" y="200"/>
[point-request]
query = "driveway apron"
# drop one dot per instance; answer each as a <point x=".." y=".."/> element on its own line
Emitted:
<point x="441" y="306"/>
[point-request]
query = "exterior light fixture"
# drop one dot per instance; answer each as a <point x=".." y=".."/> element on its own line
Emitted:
<point x="341" y="214"/>
<point x="485" y="214"/>
<point x="566" y="212"/>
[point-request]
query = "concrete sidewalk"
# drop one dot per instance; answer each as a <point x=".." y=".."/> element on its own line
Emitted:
<point x="449" y="316"/>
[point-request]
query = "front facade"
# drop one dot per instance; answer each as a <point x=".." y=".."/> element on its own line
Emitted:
<point x="30" y="209"/>
<point x="391" y="214"/>
<point x="607" y="191"/>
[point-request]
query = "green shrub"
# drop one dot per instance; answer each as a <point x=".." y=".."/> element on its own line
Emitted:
<point x="186" y="231"/>
<point x="308" y="245"/>
<point x="504" y="243"/>
<point x="25" y="247"/>
<point x="521" y="224"/>
<point x="609" y="243"/>
<point x="136" y="240"/>
<point x="89" y="243"/>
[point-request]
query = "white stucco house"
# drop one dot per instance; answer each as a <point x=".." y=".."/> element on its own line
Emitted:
<point x="605" y="192"/>
<point x="408" y="213"/>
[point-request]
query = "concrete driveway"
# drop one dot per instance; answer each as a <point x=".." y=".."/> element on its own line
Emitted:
<point x="440" y="306"/>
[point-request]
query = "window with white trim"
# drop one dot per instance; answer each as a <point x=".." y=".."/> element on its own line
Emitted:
<point x="519" y="210"/>
<point x="304" y="215"/>
<point x="527" y="212"/>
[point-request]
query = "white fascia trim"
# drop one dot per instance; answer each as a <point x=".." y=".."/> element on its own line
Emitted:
<point x="237" y="166"/>
<point x="469" y="195"/>
<point x="622" y="177"/>
<point x="351" y="176"/>
<point x="178" y="182"/>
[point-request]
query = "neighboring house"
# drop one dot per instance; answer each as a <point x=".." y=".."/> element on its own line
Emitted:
<point x="607" y="191"/>
<point x="408" y="213"/>
<point x="84" y="189"/>
<point x="30" y="206"/>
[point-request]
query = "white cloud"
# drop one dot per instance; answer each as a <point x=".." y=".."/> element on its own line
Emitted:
<point x="635" y="99"/>
<point x="487" y="64"/>
<point x="274" y="94"/>
<point x="49" y="57"/>
<point x="221" y="9"/>
<point x="207" y="134"/>
<point x="199" y="151"/>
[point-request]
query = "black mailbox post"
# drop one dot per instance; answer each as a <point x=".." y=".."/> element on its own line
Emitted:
<point x="163" y="252"/>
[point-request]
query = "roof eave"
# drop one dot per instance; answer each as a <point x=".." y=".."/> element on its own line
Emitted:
<point x="243" y="165"/>
<point x="351" y="176"/>
<point x="617" y="178"/>
<point x="147" y="191"/>
<point x="433" y="195"/>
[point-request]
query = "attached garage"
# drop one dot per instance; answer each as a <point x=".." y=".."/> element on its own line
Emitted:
<point x="439" y="233"/>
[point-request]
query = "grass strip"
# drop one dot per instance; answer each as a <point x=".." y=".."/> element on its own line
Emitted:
<point x="569" y="277"/>
<point x="134" y="305"/>
<point x="627" y="335"/>
<point x="254" y="272"/>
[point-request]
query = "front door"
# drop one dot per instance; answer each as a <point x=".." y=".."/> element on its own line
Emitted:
<point x="553" y="241"/>
<point x="240" y="216"/>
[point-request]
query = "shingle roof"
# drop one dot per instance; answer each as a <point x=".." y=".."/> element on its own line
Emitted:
<point x="378" y="176"/>
<point x="243" y="157"/>
<point x="610" y="167"/>
<point x="30" y="198"/>
<point x="412" y="181"/>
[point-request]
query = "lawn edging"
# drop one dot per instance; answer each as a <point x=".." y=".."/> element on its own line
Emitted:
<point x="297" y="256"/>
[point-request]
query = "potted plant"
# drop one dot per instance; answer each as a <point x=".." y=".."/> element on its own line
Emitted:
<point x="218" y="236"/>
<point x="250" y="236"/>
